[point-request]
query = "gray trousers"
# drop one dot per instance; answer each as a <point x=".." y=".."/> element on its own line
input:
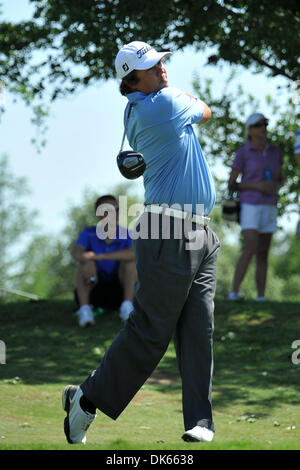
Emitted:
<point x="174" y="299"/>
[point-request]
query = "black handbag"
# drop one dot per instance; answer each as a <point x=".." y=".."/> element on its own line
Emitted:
<point x="231" y="209"/>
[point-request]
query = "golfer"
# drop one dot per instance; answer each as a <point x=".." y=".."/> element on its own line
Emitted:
<point x="176" y="273"/>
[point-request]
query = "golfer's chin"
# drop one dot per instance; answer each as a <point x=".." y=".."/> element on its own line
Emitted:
<point x="163" y="84"/>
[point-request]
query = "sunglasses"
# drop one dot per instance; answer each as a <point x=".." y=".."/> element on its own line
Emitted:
<point x="260" y="124"/>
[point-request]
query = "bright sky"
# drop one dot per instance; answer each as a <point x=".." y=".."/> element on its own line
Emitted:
<point x="85" y="132"/>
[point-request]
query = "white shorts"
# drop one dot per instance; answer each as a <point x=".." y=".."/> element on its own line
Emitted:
<point x="260" y="217"/>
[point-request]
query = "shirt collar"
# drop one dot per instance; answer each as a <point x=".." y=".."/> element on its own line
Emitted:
<point x="248" y="146"/>
<point x="135" y="96"/>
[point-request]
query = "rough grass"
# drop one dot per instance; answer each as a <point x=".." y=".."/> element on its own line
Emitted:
<point x="255" y="389"/>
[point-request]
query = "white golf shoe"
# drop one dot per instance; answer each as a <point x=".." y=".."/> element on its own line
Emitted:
<point x="77" y="421"/>
<point x="85" y="316"/>
<point x="126" y="309"/>
<point x="198" y="434"/>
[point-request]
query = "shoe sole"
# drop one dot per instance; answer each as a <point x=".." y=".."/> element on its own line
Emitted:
<point x="66" y="407"/>
<point x="190" y="438"/>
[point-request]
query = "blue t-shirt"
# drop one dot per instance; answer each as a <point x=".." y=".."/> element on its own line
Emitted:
<point x="160" y="127"/>
<point x="107" y="269"/>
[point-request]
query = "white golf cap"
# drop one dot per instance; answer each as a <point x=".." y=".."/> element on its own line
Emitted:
<point x="137" y="55"/>
<point x="254" y="118"/>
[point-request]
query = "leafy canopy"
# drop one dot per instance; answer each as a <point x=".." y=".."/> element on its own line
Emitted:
<point x="79" y="39"/>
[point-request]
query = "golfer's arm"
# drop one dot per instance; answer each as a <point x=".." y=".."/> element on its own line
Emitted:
<point x="122" y="255"/>
<point x="207" y="111"/>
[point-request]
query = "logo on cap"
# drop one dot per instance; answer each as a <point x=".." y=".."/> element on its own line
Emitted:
<point x="143" y="51"/>
<point x="125" y="67"/>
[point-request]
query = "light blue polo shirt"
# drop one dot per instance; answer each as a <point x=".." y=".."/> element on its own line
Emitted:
<point x="161" y="128"/>
<point x="107" y="269"/>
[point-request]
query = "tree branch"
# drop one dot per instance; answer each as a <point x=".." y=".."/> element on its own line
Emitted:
<point x="275" y="70"/>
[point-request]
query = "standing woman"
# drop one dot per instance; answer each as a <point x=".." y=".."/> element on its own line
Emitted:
<point x="260" y="164"/>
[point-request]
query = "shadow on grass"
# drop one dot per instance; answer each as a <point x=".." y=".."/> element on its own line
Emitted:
<point x="45" y="345"/>
<point x="253" y="352"/>
<point x="252" y="349"/>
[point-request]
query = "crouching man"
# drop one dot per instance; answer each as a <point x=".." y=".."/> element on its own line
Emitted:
<point x="106" y="272"/>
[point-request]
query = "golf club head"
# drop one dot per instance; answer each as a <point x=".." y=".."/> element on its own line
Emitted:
<point x="131" y="164"/>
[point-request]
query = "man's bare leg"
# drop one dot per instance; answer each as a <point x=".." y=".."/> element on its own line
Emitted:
<point x="84" y="286"/>
<point x="128" y="278"/>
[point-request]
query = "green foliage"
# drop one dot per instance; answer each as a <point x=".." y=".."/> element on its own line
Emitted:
<point x="17" y="221"/>
<point x="48" y="269"/>
<point x="286" y="265"/>
<point x="222" y="135"/>
<point x="79" y="40"/>
<point x="83" y="215"/>
<point x="283" y="278"/>
<point x="39" y="119"/>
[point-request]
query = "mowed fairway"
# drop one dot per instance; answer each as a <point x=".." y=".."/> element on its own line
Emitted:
<point x="256" y="387"/>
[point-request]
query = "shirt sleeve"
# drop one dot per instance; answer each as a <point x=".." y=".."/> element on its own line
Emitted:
<point x="297" y="142"/>
<point x="238" y="161"/>
<point x="177" y="105"/>
<point x="83" y="239"/>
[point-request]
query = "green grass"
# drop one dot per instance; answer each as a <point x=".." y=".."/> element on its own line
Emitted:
<point x="256" y="386"/>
